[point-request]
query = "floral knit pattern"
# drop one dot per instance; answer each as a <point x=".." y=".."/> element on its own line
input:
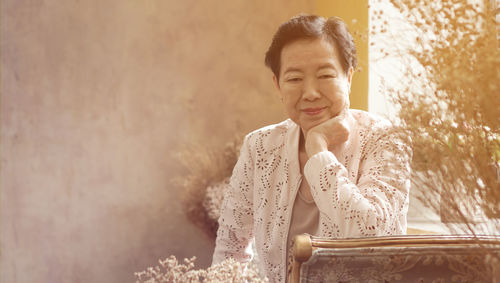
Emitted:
<point x="361" y="189"/>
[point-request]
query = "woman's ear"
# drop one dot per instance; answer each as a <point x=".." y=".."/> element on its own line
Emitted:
<point x="350" y="73"/>
<point x="277" y="85"/>
<point x="276" y="82"/>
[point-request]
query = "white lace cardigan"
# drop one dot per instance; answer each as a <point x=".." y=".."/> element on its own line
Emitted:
<point x="361" y="190"/>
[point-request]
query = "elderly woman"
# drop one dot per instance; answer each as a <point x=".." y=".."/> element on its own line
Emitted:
<point x="327" y="171"/>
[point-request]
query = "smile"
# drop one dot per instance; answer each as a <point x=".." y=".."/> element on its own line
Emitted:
<point x="313" y="111"/>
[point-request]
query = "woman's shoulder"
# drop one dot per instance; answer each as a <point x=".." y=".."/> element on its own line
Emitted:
<point x="375" y="131"/>
<point x="271" y="134"/>
<point x="369" y="121"/>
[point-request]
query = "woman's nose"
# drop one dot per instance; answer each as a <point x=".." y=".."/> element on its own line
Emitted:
<point x="311" y="90"/>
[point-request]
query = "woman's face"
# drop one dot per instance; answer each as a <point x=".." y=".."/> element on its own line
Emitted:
<point x="312" y="84"/>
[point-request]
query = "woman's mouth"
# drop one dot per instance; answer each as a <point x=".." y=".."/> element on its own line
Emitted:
<point x="313" y="111"/>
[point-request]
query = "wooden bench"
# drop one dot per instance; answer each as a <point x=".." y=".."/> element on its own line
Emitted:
<point x="407" y="258"/>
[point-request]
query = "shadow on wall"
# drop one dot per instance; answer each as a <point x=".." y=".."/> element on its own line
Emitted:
<point x="96" y="98"/>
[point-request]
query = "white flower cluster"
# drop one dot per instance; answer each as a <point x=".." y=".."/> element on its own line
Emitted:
<point x="173" y="272"/>
<point x="213" y="199"/>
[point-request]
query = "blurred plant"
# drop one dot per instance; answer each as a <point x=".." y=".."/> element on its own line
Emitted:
<point x="207" y="171"/>
<point x="171" y="271"/>
<point x="205" y="179"/>
<point x="449" y="110"/>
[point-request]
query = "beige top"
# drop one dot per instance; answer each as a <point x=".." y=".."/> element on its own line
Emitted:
<point x="305" y="219"/>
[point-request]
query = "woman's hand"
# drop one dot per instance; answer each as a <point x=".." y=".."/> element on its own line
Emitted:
<point x="328" y="134"/>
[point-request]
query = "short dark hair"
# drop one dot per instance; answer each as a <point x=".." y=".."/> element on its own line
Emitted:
<point x="305" y="26"/>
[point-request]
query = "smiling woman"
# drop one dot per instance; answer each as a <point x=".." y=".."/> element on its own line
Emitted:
<point x="327" y="171"/>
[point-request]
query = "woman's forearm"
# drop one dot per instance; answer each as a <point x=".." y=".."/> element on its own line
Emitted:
<point x="372" y="206"/>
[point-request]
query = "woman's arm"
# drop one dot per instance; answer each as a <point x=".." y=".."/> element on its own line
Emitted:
<point x="236" y="221"/>
<point x="377" y="204"/>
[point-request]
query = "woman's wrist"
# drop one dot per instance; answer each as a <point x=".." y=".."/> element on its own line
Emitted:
<point x="315" y="143"/>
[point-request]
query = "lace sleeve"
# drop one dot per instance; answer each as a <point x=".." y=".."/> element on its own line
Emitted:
<point x="236" y="220"/>
<point x="377" y="204"/>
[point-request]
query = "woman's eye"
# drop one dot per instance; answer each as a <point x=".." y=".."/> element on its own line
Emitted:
<point x="326" y="76"/>
<point x="294" y="79"/>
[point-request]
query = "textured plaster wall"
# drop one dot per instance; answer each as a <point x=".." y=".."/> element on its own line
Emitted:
<point x="95" y="98"/>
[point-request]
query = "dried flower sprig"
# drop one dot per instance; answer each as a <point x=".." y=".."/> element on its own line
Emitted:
<point x="449" y="112"/>
<point x="214" y="197"/>
<point x="171" y="271"/>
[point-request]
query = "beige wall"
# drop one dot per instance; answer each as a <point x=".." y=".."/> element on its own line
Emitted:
<point x="95" y="98"/>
